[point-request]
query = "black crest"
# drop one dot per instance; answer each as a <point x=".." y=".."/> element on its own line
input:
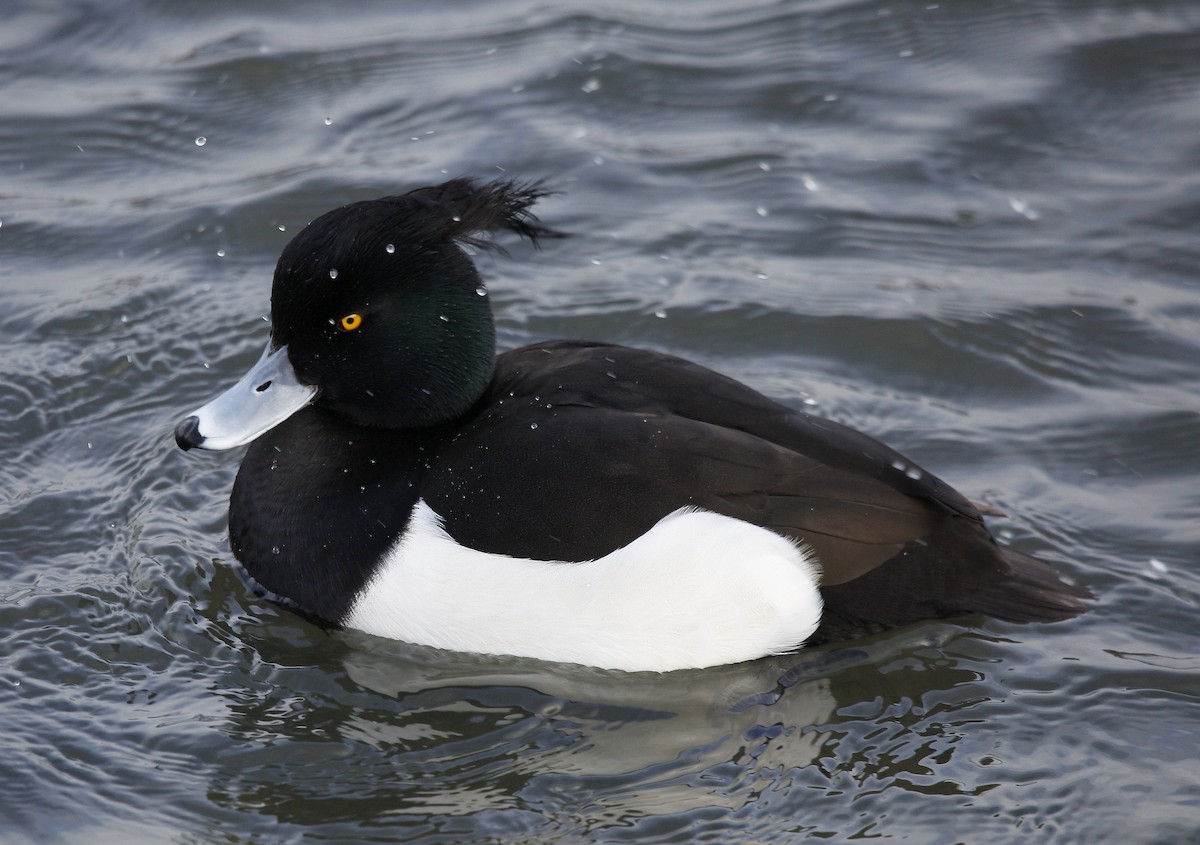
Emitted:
<point x="462" y="209"/>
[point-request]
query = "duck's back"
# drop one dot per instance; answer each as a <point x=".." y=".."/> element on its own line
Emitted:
<point x="578" y="448"/>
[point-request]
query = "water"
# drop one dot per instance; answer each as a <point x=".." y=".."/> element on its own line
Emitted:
<point x="968" y="228"/>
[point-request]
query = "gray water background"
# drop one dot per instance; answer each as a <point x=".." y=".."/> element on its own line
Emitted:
<point x="968" y="228"/>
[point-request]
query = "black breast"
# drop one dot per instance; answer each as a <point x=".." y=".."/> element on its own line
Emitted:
<point x="316" y="504"/>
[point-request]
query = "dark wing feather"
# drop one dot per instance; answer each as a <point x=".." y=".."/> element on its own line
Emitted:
<point x="646" y="434"/>
<point x="623" y="378"/>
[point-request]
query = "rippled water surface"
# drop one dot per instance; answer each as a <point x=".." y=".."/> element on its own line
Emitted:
<point x="969" y="228"/>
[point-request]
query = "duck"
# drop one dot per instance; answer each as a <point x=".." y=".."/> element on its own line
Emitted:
<point x="569" y="501"/>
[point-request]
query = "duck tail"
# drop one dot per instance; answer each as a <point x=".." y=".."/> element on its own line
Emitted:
<point x="1031" y="591"/>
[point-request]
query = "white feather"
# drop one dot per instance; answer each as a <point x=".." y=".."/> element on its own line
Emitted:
<point x="698" y="589"/>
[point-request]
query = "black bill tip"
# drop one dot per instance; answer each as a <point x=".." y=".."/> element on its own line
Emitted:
<point x="187" y="433"/>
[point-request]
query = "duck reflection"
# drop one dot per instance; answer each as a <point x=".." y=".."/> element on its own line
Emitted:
<point x="423" y="738"/>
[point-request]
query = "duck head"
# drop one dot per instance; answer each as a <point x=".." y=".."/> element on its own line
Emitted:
<point x="378" y="315"/>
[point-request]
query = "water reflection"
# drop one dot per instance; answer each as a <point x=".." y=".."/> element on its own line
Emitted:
<point x="422" y="737"/>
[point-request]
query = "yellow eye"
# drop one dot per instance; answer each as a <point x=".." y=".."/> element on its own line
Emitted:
<point x="350" y="322"/>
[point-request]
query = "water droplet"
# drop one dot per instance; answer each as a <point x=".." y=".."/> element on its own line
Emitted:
<point x="328" y="121"/>
<point x="760" y="211"/>
<point x="533" y="425"/>
<point x="333" y="274"/>
<point x="220" y="253"/>
<point x="201" y="141"/>
<point x="275" y="550"/>
<point x="1158" y="566"/>
<point x="1023" y="208"/>
<point x="810" y="184"/>
<point x="764" y="167"/>
<point x="443" y="318"/>
<point x="282" y="228"/>
<point x="660" y="314"/>
<point x="590" y="86"/>
<point x="482" y="291"/>
<point x="456" y="219"/>
<point x="391" y="248"/>
<point x="597" y="261"/>
<point x="611" y="375"/>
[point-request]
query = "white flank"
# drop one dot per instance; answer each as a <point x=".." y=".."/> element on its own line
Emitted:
<point x="698" y="589"/>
